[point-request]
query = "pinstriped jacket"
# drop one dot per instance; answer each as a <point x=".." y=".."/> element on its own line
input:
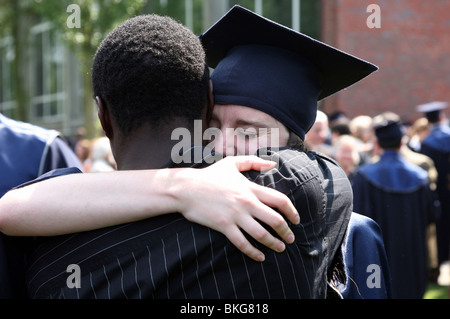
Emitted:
<point x="170" y="257"/>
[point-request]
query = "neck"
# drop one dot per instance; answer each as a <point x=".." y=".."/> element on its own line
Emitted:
<point x="144" y="149"/>
<point x="144" y="155"/>
<point x="391" y="151"/>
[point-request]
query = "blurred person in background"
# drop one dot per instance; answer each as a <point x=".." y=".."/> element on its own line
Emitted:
<point x="410" y="151"/>
<point x="83" y="150"/>
<point x="417" y="133"/>
<point x="79" y="135"/>
<point x="339" y="127"/>
<point x="101" y="156"/>
<point x="361" y="128"/>
<point x="346" y="154"/>
<point x="317" y="139"/>
<point x="427" y="164"/>
<point x="421" y="127"/>
<point x="437" y="146"/>
<point x="397" y="195"/>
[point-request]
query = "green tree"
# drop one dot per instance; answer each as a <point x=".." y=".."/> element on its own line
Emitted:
<point x="12" y="13"/>
<point x="83" y="24"/>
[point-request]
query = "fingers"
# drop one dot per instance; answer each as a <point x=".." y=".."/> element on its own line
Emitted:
<point x="252" y="205"/>
<point x="251" y="224"/>
<point x="262" y="235"/>
<point x="278" y="200"/>
<point x="275" y="221"/>
<point x="251" y="162"/>
<point x="238" y="239"/>
<point x="255" y="230"/>
<point x="268" y="196"/>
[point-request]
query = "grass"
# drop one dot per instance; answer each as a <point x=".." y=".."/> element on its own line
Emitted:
<point x="434" y="291"/>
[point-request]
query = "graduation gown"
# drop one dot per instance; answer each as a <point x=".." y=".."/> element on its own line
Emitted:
<point x="366" y="265"/>
<point x="26" y="152"/>
<point x="437" y="147"/>
<point x="396" y="194"/>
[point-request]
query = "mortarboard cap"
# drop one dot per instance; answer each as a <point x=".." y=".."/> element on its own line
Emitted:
<point x="432" y="110"/>
<point x="431" y="107"/>
<point x="388" y="127"/>
<point x="267" y="66"/>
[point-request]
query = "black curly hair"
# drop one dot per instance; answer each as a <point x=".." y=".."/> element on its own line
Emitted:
<point x="149" y="70"/>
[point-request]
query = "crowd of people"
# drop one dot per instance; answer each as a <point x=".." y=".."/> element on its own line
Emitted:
<point x="94" y="154"/>
<point x="352" y="141"/>
<point x="361" y="146"/>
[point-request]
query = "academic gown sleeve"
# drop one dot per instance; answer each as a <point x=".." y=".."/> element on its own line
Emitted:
<point x="59" y="155"/>
<point x="366" y="265"/>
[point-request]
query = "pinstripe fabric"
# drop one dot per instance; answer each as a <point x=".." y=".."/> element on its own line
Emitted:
<point x="169" y="257"/>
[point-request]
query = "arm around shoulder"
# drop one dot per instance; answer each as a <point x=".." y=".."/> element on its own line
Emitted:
<point x="80" y="202"/>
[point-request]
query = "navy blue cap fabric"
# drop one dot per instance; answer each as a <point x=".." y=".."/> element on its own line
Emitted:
<point x="265" y="65"/>
<point x="271" y="90"/>
<point x="388" y="126"/>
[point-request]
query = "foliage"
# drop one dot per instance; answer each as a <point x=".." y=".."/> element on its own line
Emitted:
<point x="97" y="18"/>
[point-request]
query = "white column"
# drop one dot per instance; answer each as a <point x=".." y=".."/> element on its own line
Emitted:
<point x="296" y="9"/>
<point x="213" y="10"/>
<point x="189" y="14"/>
<point x="258" y="7"/>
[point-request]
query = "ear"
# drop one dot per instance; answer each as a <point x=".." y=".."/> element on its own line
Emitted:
<point x="104" y="117"/>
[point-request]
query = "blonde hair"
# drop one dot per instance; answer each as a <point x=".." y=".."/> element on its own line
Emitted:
<point x="420" y="125"/>
<point x="359" y="125"/>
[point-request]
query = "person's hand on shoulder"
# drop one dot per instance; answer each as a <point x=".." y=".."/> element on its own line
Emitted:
<point x="221" y="198"/>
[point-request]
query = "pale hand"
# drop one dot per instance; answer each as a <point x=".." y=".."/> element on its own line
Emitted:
<point x="221" y="198"/>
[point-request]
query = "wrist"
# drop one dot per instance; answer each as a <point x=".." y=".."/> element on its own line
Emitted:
<point x="174" y="189"/>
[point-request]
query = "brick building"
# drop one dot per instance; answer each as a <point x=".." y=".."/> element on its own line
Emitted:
<point x="411" y="48"/>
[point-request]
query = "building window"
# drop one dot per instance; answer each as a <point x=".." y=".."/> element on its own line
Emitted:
<point x="47" y="80"/>
<point x="300" y="15"/>
<point x="7" y="55"/>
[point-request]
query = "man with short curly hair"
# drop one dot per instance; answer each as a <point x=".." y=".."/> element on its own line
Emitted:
<point x="160" y="66"/>
<point x="149" y="77"/>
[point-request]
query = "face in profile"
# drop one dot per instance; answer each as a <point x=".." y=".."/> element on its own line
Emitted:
<point x="318" y="133"/>
<point x="243" y="130"/>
